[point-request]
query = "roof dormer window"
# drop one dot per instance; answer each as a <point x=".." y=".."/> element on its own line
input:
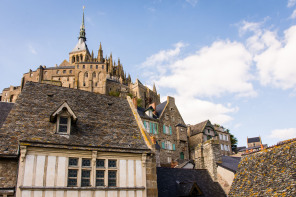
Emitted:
<point x="64" y="118"/>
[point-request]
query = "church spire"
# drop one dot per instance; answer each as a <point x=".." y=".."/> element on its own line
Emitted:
<point x="82" y="28"/>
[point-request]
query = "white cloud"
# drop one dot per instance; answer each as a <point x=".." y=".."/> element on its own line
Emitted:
<point x="195" y="110"/>
<point x="283" y="134"/>
<point x="276" y="64"/>
<point x="293" y="15"/>
<point x="212" y="71"/>
<point x="192" y="2"/>
<point x="291" y="3"/>
<point x="32" y="49"/>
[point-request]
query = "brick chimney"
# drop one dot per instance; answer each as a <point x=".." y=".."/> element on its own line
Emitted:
<point x="153" y="105"/>
<point x="135" y="102"/>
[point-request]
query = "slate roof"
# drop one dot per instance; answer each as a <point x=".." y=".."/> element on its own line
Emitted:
<point x="141" y="112"/>
<point x="173" y="182"/>
<point x="198" y="128"/>
<point x="160" y="108"/>
<point x="253" y="139"/>
<point x="4" y="111"/>
<point x="65" y="63"/>
<point x="102" y="121"/>
<point x="230" y="163"/>
<point x="80" y="46"/>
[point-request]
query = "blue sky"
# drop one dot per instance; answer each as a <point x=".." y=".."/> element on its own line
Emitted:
<point x="230" y="61"/>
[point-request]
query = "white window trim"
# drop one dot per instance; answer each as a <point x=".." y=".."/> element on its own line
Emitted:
<point x="68" y="124"/>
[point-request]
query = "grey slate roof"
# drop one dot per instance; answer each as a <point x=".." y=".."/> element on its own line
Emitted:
<point x="173" y="182"/>
<point x="102" y="121"/>
<point x="4" y="111"/>
<point x="80" y="46"/>
<point x="160" y="108"/>
<point x="198" y="128"/>
<point x="230" y="163"/>
<point x="253" y="139"/>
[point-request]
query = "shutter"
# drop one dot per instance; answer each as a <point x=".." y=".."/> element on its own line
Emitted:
<point x="163" y="128"/>
<point x="162" y="144"/>
<point x="145" y="124"/>
<point x="151" y="127"/>
<point x="174" y="147"/>
<point x="170" y="130"/>
<point x="156" y="128"/>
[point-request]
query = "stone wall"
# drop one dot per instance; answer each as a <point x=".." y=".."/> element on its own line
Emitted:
<point x="171" y="117"/>
<point x="151" y="176"/>
<point x="207" y="155"/>
<point x="270" y="172"/>
<point x="8" y="173"/>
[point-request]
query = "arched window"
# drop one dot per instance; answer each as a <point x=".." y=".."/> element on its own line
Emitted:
<point x="77" y="58"/>
<point x="81" y="58"/>
<point x="73" y="59"/>
<point x="86" y="75"/>
<point x="94" y="75"/>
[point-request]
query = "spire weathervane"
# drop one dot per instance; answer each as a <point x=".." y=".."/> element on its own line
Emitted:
<point x="82" y="28"/>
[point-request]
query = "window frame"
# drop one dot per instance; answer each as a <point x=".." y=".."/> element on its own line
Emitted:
<point x="63" y="115"/>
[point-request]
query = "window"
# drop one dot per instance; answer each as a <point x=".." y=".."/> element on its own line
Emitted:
<point x="72" y="172"/>
<point x="77" y="66"/>
<point x="169" y="159"/>
<point x="86" y="74"/>
<point x="64" y="71"/>
<point x="97" y="66"/>
<point x="167" y="130"/>
<point x="168" y="145"/>
<point x="222" y="147"/>
<point x="70" y="71"/>
<point x="181" y="155"/>
<point x="90" y="66"/>
<point x="96" y="84"/>
<point x="110" y="169"/>
<point x="63" y="125"/>
<point x="151" y="127"/>
<point x="94" y="75"/>
<point x="58" y="71"/>
<point x="83" y="66"/>
<point x="102" y="66"/>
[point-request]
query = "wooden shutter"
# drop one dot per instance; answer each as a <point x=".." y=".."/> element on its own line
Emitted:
<point x="170" y="130"/>
<point x="156" y="128"/>
<point x="163" y="128"/>
<point x="174" y="147"/>
<point x="151" y="127"/>
<point x="163" y="145"/>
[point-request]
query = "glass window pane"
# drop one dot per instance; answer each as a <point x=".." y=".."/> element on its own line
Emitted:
<point x="63" y="120"/>
<point x="111" y="174"/>
<point x="72" y="182"/>
<point x="73" y="161"/>
<point x="100" y="182"/>
<point x="100" y="173"/>
<point x="85" y="174"/>
<point x="63" y="128"/>
<point x="85" y="162"/>
<point x="100" y="163"/>
<point x="112" y="163"/>
<point x="72" y="173"/>
<point x="85" y="182"/>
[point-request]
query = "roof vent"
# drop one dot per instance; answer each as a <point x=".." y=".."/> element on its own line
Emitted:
<point x="109" y="104"/>
<point x="50" y="94"/>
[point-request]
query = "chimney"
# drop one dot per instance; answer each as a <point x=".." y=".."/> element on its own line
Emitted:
<point x="153" y="105"/>
<point x="135" y="102"/>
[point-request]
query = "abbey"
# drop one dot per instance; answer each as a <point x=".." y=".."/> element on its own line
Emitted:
<point x="88" y="72"/>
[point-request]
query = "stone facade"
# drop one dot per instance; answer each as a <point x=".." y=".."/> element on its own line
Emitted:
<point x="270" y="172"/>
<point x="88" y="72"/>
<point x="8" y="173"/>
<point x="224" y="140"/>
<point x="207" y="155"/>
<point x="10" y="94"/>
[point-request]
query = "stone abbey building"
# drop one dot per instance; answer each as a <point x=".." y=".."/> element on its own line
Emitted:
<point x="88" y="72"/>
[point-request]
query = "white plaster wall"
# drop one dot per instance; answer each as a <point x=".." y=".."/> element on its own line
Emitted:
<point x="72" y="194"/>
<point x="59" y="194"/>
<point x="122" y="194"/>
<point x="131" y="193"/>
<point x="26" y="194"/>
<point x="85" y="194"/>
<point x="112" y="193"/>
<point x="122" y="173"/>
<point x="61" y="176"/>
<point x="28" y="175"/>
<point x="50" y="172"/>
<point x="139" y="193"/>
<point x="227" y="175"/>
<point x="100" y="193"/>
<point x="39" y="170"/>
<point x="131" y="182"/>
<point x="139" y="173"/>
<point x="48" y="193"/>
<point x="37" y="193"/>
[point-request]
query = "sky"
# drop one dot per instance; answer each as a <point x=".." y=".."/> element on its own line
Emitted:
<point x="230" y="61"/>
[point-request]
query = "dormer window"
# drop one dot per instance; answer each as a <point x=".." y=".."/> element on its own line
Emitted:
<point x="63" y="124"/>
<point x="64" y="117"/>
